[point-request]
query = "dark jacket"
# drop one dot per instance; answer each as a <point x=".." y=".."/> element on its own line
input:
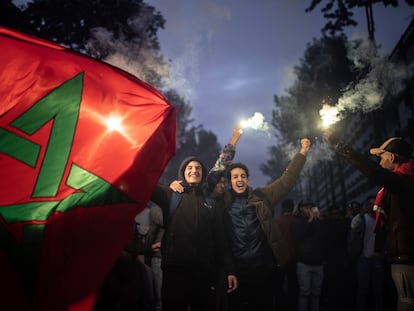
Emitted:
<point x="399" y="202"/>
<point x="285" y="223"/>
<point x="262" y="200"/>
<point x="309" y="241"/>
<point x="194" y="235"/>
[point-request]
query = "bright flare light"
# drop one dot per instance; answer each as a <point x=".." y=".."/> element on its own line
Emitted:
<point x="114" y="124"/>
<point x="329" y="115"/>
<point x="256" y="122"/>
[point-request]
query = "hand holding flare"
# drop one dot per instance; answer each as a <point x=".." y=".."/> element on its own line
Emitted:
<point x="329" y="114"/>
<point x="331" y="137"/>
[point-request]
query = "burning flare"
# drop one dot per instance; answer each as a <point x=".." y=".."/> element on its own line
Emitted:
<point x="114" y="124"/>
<point x="329" y="115"/>
<point x="257" y="122"/>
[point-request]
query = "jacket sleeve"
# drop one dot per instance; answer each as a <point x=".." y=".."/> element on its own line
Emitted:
<point x="392" y="181"/>
<point x="282" y="185"/>
<point x="156" y="215"/>
<point x="225" y="158"/>
<point x="356" y="223"/>
<point x="162" y="196"/>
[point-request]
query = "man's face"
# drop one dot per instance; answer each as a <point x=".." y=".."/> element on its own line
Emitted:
<point x="306" y="210"/>
<point x="193" y="173"/>
<point x="239" y="180"/>
<point x="387" y="160"/>
<point x="219" y="188"/>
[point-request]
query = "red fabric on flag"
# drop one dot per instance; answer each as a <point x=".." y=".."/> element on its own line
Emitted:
<point x="70" y="186"/>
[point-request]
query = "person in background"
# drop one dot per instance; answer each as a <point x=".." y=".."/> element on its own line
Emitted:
<point x="193" y="248"/>
<point x="152" y="254"/>
<point x="255" y="238"/>
<point x="337" y="275"/>
<point x="393" y="205"/>
<point x="308" y="235"/>
<point x="354" y="210"/>
<point x="370" y="265"/>
<point x="286" y="290"/>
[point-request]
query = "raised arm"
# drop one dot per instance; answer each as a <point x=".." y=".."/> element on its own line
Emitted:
<point x="237" y="132"/>
<point x="305" y="144"/>
<point x="227" y="155"/>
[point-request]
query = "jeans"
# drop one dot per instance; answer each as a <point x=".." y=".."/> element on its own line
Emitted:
<point x="403" y="276"/>
<point x="310" y="280"/>
<point x="157" y="273"/>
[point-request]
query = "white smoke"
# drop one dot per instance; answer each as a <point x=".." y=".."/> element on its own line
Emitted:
<point x="319" y="152"/>
<point x="383" y="78"/>
<point x="185" y="70"/>
<point x="135" y="56"/>
<point x="256" y="122"/>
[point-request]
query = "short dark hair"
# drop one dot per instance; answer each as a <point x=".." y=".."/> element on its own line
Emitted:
<point x="306" y="203"/>
<point x="288" y="206"/>
<point x="236" y="165"/>
<point x="213" y="179"/>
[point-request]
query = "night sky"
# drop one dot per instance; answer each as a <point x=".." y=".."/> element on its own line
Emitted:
<point x="230" y="57"/>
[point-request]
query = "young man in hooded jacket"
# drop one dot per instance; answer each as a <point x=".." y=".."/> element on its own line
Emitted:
<point x="194" y="243"/>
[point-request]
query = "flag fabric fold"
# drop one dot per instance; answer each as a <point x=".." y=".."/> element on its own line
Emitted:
<point x="82" y="145"/>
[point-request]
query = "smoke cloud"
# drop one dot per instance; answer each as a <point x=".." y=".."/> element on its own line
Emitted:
<point x="256" y="122"/>
<point x="319" y="153"/>
<point x="135" y="56"/>
<point x="185" y="70"/>
<point x="384" y="78"/>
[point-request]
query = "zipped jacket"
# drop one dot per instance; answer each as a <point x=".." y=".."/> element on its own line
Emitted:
<point x="194" y="235"/>
<point x="263" y="200"/>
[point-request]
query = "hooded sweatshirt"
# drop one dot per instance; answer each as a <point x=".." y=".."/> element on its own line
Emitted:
<point x="194" y="234"/>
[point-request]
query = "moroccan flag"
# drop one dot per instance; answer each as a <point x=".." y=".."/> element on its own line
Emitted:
<point x="82" y="145"/>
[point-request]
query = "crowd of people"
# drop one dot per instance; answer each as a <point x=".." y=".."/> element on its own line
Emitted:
<point x="209" y="241"/>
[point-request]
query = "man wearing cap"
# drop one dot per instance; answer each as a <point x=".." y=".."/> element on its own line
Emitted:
<point x="394" y="206"/>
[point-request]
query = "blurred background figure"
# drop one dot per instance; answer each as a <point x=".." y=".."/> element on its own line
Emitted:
<point x="308" y="235"/>
<point x="286" y="290"/>
<point x="370" y="265"/>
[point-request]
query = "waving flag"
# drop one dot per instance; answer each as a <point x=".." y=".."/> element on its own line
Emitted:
<point x="82" y="145"/>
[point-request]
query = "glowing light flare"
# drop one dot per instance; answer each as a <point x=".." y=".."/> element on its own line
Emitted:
<point x="329" y="115"/>
<point x="114" y="124"/>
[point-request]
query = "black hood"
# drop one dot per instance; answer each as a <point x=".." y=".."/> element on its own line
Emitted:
<point x="182" y="168"/>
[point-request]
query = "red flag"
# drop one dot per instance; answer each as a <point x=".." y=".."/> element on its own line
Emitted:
<point x="82" y="145"/>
